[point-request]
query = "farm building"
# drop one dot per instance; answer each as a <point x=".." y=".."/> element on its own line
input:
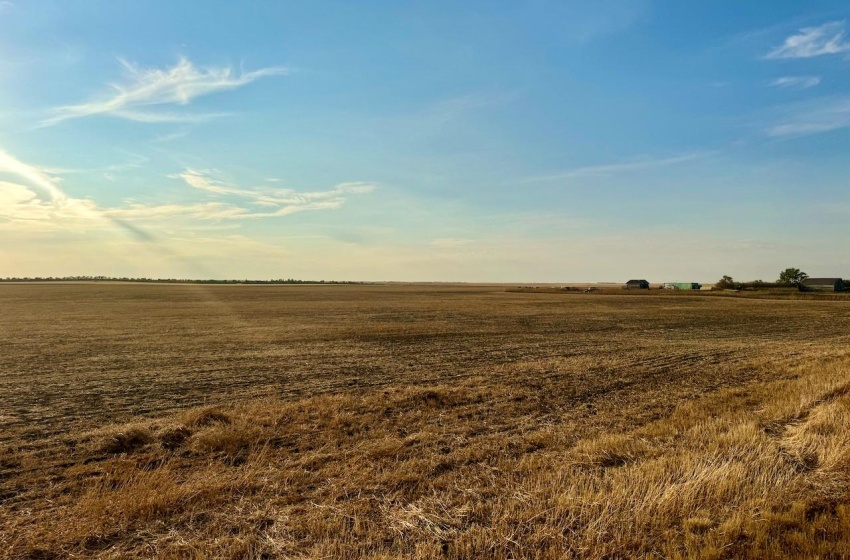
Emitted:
<point x="822" y="285"/>
<point x="637" y="285"/>
<point x="682" y="286"/>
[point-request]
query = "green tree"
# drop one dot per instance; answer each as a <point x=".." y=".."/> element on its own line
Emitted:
<point x="725" y="283"/>
<point x="792" y="276"/>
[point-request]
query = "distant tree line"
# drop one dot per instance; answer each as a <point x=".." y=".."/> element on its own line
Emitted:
<point x="167" y="280"/>
<point x="790" y="277"/>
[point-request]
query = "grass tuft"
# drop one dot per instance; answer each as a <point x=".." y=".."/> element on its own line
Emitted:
<point x="203" y="417"/>
<point x="126" y="440"/>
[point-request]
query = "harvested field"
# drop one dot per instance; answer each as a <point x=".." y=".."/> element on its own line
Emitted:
<point x="420" y="421"/>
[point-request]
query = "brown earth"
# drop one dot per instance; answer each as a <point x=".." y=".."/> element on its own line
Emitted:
<point x="419" y="421"/>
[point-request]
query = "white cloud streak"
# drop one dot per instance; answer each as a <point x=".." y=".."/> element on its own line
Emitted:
<point x="23" y="209"/>
<point x="614" y="168"/>
<point x="177" y="85"/>
<point x="813" y="41"/>
<point x="38" y="177"/>
<point x="287" y="201"/>
<point x="135" y="161"/>
<point x="796" y="82"/>
<point x="823" y="115"/>
<point x="456" y="107"/>
<point x="174" y="118"/>
<point x="163" y="138"/>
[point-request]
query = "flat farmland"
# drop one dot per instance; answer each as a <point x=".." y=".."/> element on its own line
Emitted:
<point x="75" y="356"/>
<point x="426" y="421"/>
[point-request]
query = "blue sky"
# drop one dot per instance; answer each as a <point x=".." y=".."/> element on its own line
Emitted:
<point x="538" y="141"/>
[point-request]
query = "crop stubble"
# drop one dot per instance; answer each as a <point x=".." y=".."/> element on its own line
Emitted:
<point x="77" y="358"/>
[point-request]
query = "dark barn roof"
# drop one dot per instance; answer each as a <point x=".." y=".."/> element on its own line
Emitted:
<point x="836" y="284"/>
<point x="822" y="281"/>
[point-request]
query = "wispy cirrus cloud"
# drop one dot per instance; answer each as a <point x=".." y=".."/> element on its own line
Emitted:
<point x="813" y="41"/>
<point x="820" y="115"/>
<point x="614" y="168"/>
<point x="171" y="136"/>
<point x="40" y="178"/>
<point x="22" y="209"/>
<point x="134" y="161"/>
<point x="587" y="21"/>
<point x="147" y="88"/>
<point x="796" y="82"/>
<point x="455" y="107"/>
<point x="283" y="201"/>
<point x="35" y="201"/>
<point x="31" y="200"/>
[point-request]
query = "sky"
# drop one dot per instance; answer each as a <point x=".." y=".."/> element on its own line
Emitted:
<point x="477" y="141"/>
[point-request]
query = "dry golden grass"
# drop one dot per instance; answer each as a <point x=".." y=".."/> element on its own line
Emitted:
<point x="462" y="423"/>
